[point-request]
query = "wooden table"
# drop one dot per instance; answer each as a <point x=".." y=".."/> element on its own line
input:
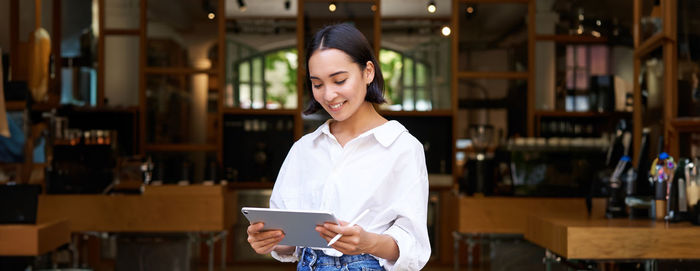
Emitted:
<point x="33" y="239"/>
<point x="507" y="217"/>
<point x="160" y="209"/>
<point x="614" y="239"/>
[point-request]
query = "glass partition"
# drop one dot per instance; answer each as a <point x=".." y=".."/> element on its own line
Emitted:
<point x="493" y="37"/>
<point x="415" y="56"/>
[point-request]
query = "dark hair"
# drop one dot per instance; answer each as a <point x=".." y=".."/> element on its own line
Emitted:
<point x="348" y="39"/>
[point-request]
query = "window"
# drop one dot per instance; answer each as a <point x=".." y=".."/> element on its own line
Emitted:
<point x="405" y="81"/>
<point x="254" y="86"/>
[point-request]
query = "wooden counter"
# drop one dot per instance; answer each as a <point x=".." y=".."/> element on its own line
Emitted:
<point x="614" y="239"/>
<point x="33" y="240"/>
<point x="508" y="215"/>
<point x="167" y="208"/>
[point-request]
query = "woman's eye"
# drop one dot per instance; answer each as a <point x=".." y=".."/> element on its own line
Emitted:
<point x="317" y="86"/>
<point x="341" y="82"/>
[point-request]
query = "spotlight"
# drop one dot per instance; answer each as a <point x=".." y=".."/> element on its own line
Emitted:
<point x="470" y="11"/>
<point x="431" y="6"/>
<point x="446" y="31"/>
<point x="287" y="4"/>
<point x="241" y="5"/>
<point x="211" y="15"/>
<point x="332" y="7"/>
<point x="374" y="8"/>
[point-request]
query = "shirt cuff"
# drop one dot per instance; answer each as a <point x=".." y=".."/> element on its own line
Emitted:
<point x="403" y="241"/>
<point x="286" y="258"/>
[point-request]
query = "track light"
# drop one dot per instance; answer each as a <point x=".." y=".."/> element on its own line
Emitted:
<point x="241" y="5"/>
<point x="332" y="7"/>
<point x="431" y="6"/>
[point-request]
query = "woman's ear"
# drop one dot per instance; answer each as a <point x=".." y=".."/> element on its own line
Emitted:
<point x="369" y="72"/>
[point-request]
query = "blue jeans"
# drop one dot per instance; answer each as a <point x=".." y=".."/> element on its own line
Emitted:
<point x="316" y="260"/>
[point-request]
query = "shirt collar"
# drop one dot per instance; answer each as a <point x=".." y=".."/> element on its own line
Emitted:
<point x="385" y="134"/>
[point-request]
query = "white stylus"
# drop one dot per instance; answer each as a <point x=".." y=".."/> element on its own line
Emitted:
<point x="352" y="223"/>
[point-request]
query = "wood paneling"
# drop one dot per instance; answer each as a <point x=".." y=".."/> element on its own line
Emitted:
<point x="163" y="209"/>
<point x="608" y="239"/>
<point x="508" y="215"/>
<point x="33" y="240"/>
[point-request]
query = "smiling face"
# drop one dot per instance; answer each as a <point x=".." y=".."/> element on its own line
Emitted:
<point x="338" y="83"/>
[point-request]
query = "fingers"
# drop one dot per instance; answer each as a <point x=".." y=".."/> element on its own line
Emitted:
<point x="254" y="228"/>
<point x="345" y="247"/>
<point x="335" y="229"/>
<point x="264" y="242"/>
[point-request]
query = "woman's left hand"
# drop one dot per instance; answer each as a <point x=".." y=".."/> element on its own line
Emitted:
<point x="355" y="240"/>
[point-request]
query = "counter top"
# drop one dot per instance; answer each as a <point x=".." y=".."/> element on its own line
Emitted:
<point x="168" y="208"/>
<point x="576" y="237"/>
<point x="33" y="239"/>
<point x="508" y="215"/>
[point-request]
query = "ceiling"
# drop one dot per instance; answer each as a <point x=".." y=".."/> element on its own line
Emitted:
<point x="389" y="8"/>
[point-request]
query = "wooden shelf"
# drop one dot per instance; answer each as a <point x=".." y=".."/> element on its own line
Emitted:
<point x="15" y="105"/>
<point x="495" y="1"/>
<point x="649" y="45"/>
<point x="581" y="114"/>
<point x="686" y="124"/>
<point x="243" y="111"/>
<point x="492" y="75"/>
<point x="179" y="147"/>
<point x="106" y="109"/>
<point x="432" y="113"/>
<point x="571" y="38"/>
<point x="178" y="70"/>
<point x="250" y="185"/>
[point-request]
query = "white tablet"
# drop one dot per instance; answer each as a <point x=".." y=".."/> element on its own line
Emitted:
<point x="298" y="226"/>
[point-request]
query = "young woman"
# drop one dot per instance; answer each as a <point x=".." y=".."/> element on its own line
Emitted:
<point x="355" y="161"/>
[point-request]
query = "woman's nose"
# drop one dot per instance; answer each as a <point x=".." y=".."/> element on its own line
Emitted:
<point x="330" y="94"/>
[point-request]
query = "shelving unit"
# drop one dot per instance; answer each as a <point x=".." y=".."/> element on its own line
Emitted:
<point x="665" y="41"/>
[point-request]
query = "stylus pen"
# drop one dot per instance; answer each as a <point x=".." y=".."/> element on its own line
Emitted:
<point x="352" y="223"/>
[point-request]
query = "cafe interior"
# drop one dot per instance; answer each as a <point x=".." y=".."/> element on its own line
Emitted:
<point x="558" y="134"/>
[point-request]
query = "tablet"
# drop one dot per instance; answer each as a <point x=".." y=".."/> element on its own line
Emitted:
<point x="298" y="226"/>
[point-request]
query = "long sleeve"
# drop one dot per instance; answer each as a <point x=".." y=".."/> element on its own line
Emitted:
<point x="276" y="201"/>
<point x="409" y="230"/>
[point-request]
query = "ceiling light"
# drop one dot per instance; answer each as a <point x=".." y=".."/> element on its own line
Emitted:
<point x="446" y="31"/>
<point x="211" y="15"/>
<point x="241" y="5"/>
<point x="431" y="6"/>
<point x="470" y="9"/>
<point x="332" y="7"/>
<point x="374" y="8"/>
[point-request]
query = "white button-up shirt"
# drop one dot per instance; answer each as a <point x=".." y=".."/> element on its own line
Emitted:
<point x="382" y="170"/>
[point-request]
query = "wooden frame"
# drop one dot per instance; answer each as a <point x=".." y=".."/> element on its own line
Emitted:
<point x="667" y="41"/>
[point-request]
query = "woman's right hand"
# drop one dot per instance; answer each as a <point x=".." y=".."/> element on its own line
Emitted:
<point x="263" y="242"/>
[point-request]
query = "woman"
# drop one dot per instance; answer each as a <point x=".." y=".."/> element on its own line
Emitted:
<point x="358" y="160"/>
